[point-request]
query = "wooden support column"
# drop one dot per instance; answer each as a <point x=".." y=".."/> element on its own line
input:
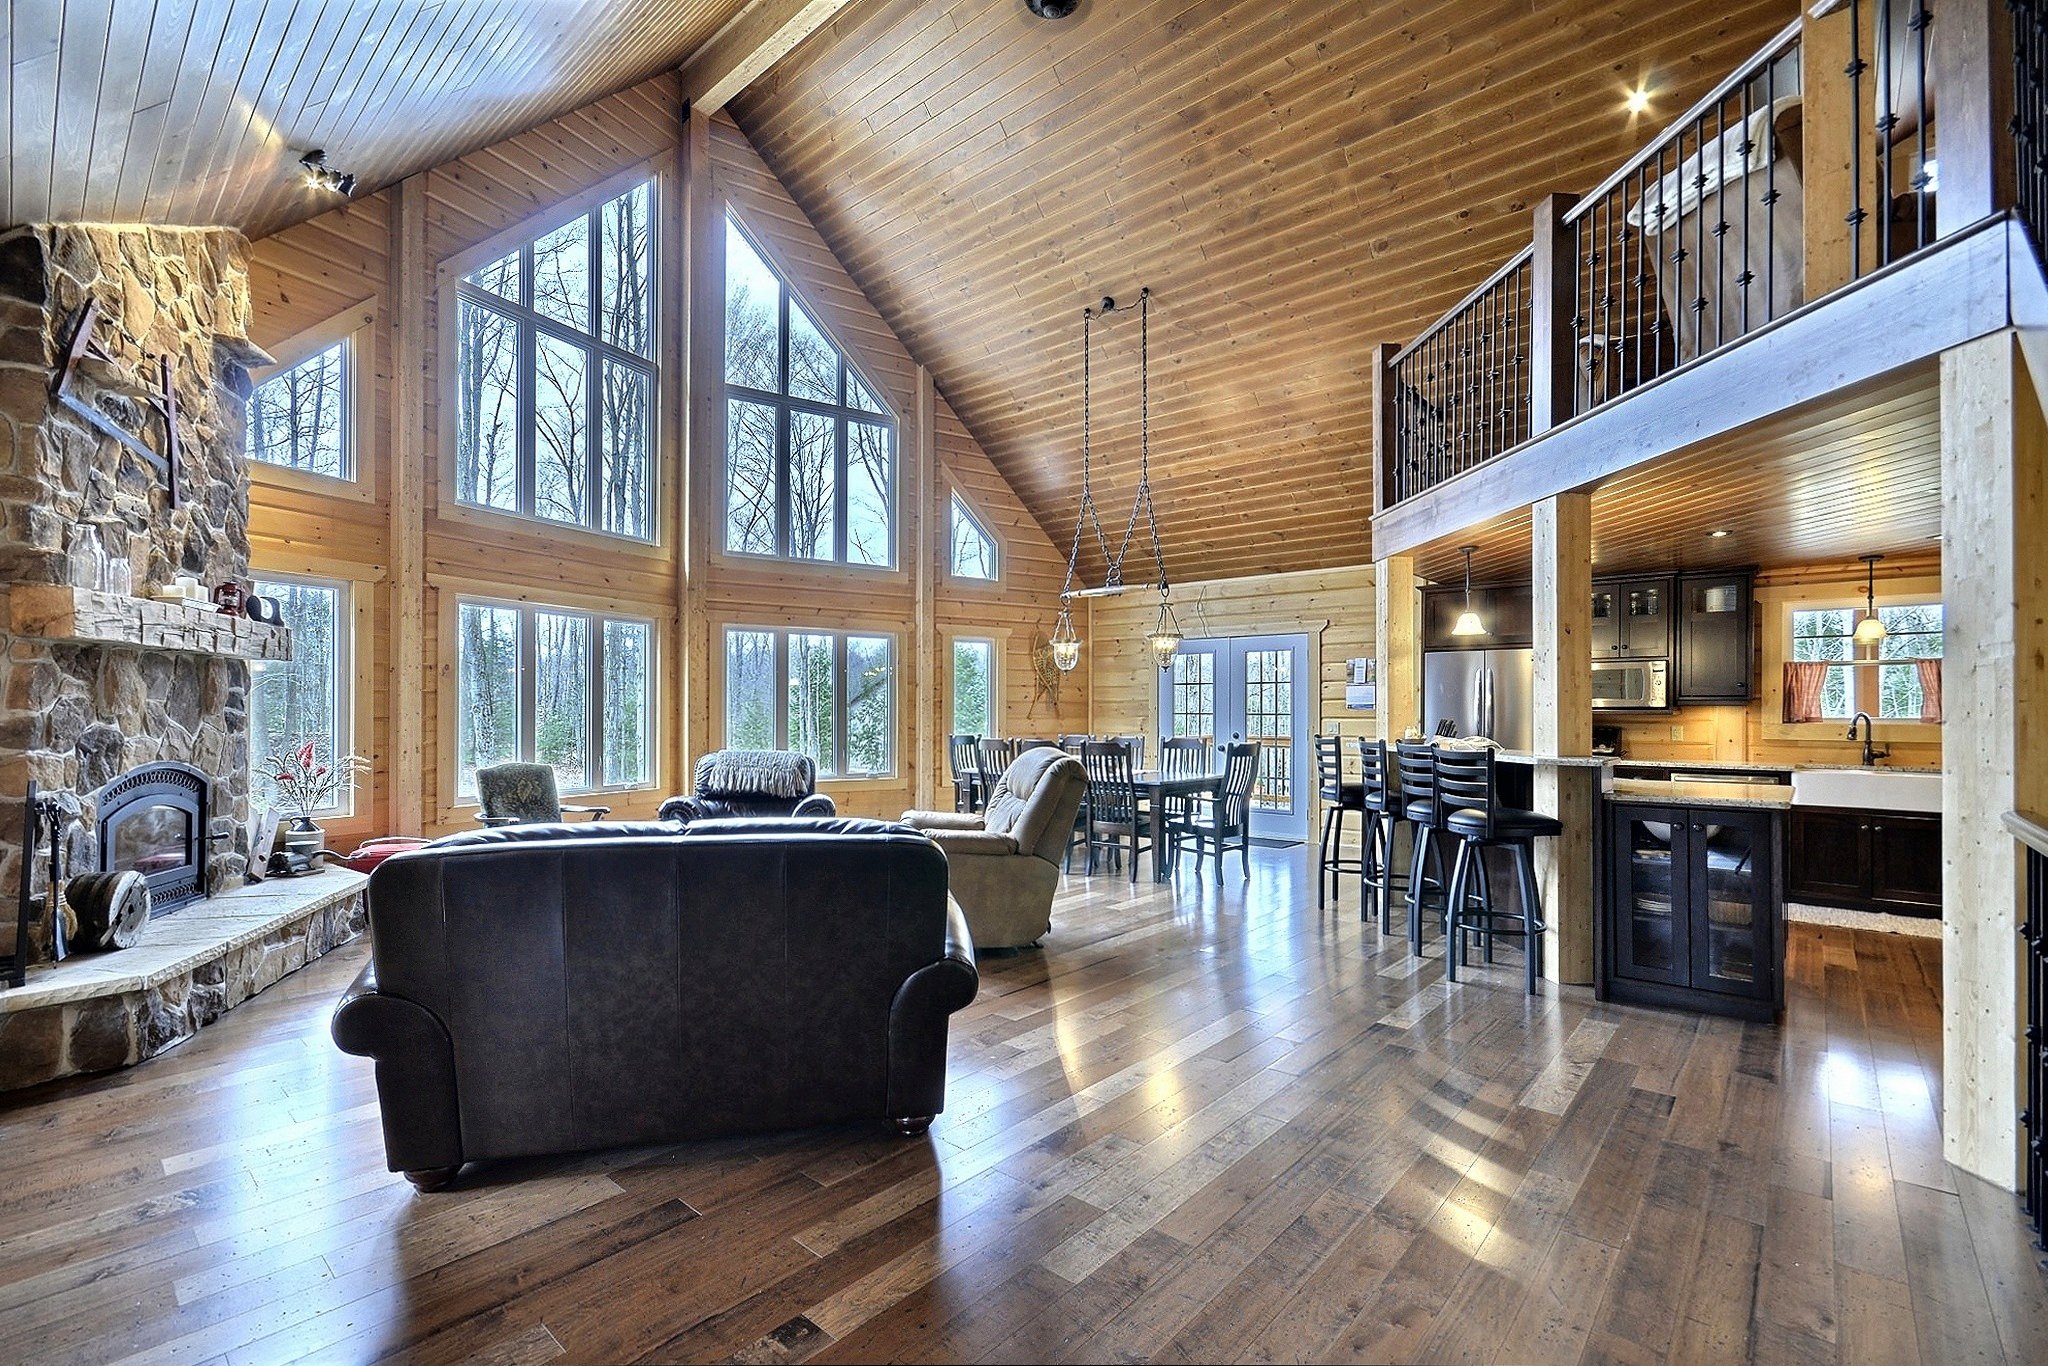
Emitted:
<point x="1562" y="556"/>
<point x="1840" y="150"/>
<point x="926" y="684"/>
<point x="1969" y="57"/>
<point x="1397" y="637"/>
<point x="703" y="429"/>
<point x="1553" y="265"/>
<point x="1994" y="490"/>
<point x="407" y="588"/>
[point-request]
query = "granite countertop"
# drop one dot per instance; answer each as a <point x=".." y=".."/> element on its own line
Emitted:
<point x="1515" y="756"/>
<point x="1762" y="796"/>
<point x="1734" y="766"/>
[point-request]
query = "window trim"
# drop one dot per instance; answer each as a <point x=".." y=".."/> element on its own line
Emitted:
<point x="451" y="288"/>
<point x="956" y="496"/>
<point x="996" y="643"/>
<point x="721" y="673"/>
<point x="349" y="677"/>
<point x="841" y="413"/>
<point x="1906" y="591"/>
<point x="456" y="598"/>
<point x="354" y="329"/>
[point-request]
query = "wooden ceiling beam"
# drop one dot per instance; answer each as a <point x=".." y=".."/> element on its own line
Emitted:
<point x="753" y="40"/>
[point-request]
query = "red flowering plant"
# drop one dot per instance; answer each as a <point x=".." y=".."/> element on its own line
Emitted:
<point x="305" y="780"/>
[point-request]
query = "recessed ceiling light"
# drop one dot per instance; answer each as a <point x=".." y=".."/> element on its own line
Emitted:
<point x="1639" y="100"/>
<point x="1720" y="535"/>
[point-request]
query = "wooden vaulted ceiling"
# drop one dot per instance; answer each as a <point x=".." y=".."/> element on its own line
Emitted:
<point x="197" y="111"/>
<point x="1296" y="180"/>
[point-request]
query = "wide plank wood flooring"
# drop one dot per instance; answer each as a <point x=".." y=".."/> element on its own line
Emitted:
<point x="1204" y="1124"/>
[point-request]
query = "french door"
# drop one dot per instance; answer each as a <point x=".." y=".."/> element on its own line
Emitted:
<point x="1236" y="688"/>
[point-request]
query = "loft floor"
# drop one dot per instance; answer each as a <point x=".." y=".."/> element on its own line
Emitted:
<point x="1205" y="1124"/>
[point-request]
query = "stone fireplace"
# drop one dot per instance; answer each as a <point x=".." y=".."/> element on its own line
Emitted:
<point x="97" y="680"/>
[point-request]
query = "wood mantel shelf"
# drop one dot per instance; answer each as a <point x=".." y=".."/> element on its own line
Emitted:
<point x="86" y="616"/>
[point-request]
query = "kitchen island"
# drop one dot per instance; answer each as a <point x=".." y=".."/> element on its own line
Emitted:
<point x="1690" y="907"/>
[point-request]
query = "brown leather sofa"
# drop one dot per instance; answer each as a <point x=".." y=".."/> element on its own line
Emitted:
<point x="550" y="989"/>
<point x="1006" y="861"/>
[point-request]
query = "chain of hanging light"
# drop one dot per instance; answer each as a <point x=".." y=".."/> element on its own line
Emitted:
<point x="1165" y="636"/>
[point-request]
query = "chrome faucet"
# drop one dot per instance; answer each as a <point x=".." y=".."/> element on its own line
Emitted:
<point x="1871" y="753"/>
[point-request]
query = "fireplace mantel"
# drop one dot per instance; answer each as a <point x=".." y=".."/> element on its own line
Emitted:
<point x="86" y="616"/>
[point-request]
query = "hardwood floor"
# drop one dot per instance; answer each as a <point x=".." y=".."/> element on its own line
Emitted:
<point x="1204" y="1124"/>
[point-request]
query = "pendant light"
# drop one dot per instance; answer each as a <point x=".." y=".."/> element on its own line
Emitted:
<point x="1870" y="630"/>
<point x="1066" y="642"/>
<point x="1468" y="623"/>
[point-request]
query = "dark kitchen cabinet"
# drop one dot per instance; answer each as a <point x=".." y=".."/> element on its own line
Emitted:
<point x="1865" y="860"/>
<point x="1714" y="662"/>
<point x="1691" y="909"/>
<point x="1632" y="618"/>
<point x="1506" y="611"/>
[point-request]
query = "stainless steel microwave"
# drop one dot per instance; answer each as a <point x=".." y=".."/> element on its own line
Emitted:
<point x="1629" y="684"/>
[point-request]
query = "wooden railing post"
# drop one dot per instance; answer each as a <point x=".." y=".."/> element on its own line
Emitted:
<point x="1970" y="61"/>
<point x="1553" y="265"/>
<point x="1386" y="404"/>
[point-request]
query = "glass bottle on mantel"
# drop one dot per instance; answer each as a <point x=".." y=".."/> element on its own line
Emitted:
<point x="85" y="559"/>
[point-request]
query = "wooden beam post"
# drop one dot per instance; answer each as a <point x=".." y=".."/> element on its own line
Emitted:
<point x="1994" y="493"/>
<point x="750" y="42"/>
<point x="1553" y="266"/>
<point x="407" y="471"/>
<point x="926" y="497"/>
<point x="1969" y="56"/>
<point x="1397" y="639"/>
<point x="1386" y="410"/>
<point x="703" y="428"/>
<point x="1562" y="558"/>
<point x="1838" y="167"/>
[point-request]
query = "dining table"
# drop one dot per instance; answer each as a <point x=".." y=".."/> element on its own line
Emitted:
<point x="1155" y="787"/>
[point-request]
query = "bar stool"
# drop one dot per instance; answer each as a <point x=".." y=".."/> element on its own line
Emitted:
<point x="1415" y="761"/>
<point x="1377" y="880"/>
<point x="1476" y="819"/>
<point x="1338" y="797"/>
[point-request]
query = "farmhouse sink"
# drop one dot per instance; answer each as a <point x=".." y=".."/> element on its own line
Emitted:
<point x="1867" y="789"/>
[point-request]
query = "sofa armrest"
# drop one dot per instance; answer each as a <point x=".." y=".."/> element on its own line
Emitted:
<point x="817" y="804"/>
<point x="917" y="1023"/>
<point x="941" y="820"/>
<point x="596" y="813"/>
<point x="415" y="1073"/>
<point x="684" y="809"/>
<point x="972" y="843"/>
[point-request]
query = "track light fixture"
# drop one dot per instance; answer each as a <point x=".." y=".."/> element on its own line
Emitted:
<point x="321" y="176"/>
<point x="1052" y="9"/>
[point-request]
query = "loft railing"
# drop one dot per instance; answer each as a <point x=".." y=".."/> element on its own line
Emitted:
<point x="1809" y="166"/>
<point x="2030" y="114"/>
<point x="2034" y="1021"/>
<point x="1462" y="388"/>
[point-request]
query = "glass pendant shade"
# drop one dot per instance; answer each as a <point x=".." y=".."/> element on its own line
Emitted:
<point x="1165" y="636"/>
<point x="1870" y="630"/>
<point x="1066" y="646"/>
<point x="1468" y="624"/>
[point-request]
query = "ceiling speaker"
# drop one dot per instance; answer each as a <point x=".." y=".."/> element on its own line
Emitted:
<point x="1052" y="9"/>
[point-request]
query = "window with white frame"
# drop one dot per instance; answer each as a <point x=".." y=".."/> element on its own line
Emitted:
<point x="828" y="694"/>
<point x="1890" y="691"/>
<point x="974" y="550"/>
<point x="299" y="417"/>
<point x="975" y="706"/>
<point x="557" y="686"/>
<point x="1826" y="634"/>
<point x="1913" y="631"/>
<point x="555" y="373"/>
<point x="810" y="452"/>
<point x="307" y="697"/>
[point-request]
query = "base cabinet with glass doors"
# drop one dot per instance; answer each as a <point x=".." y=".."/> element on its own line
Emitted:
<point x="1691" y="908"/>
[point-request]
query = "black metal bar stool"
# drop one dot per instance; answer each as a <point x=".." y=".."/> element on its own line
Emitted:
<point x="1475" y="818"/>
<point x="1377" y="880"/>
<point x="1338" y="797"/>
<point x="1415" y="761"/>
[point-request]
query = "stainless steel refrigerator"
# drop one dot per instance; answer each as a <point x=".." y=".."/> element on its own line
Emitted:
<point x="1482" y="692"/>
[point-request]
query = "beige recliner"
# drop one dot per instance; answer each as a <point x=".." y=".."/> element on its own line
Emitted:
<point x="1004" y="864"/>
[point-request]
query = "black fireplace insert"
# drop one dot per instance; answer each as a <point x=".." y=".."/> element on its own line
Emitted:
<point x="153" y="819"/>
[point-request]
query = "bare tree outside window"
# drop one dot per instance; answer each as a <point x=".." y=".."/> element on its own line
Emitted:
<point x="298" y="418"/>
<point x="835" y="699"/>
<point x="974" y="550"/>
<point x="527" y="677"/>
<point x="303" y="698"/>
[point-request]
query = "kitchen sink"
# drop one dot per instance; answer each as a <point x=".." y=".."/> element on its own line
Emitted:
<point x="1867" y="789"/>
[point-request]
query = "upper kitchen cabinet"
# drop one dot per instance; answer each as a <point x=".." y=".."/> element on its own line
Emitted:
<point x="1632" y="618"/>
<point x="1505" y="610"/>
<point x="1715" y="654"/>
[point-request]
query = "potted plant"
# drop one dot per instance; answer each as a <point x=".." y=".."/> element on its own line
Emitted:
<point x="303" y="781"/>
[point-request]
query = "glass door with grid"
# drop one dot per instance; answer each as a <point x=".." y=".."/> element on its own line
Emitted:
<point x="1229" y="689"/>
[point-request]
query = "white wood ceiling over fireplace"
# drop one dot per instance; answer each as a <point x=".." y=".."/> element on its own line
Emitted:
<point x="197" y="111"/>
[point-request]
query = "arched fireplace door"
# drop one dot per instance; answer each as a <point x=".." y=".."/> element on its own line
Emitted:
<point x="153" y="819"/>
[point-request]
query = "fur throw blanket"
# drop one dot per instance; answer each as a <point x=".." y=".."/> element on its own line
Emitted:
<point x="756" y="773"/>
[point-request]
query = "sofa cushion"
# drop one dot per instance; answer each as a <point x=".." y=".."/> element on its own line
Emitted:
<point x="562" y="830"/>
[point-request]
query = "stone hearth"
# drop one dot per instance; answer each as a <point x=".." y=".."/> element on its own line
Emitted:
<point x="100" y="1011"/>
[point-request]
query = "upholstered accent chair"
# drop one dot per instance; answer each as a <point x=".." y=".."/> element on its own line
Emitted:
<point x="524" y="794"/>
<point x="751" y="782"/>
<point x="1004" y="864"/>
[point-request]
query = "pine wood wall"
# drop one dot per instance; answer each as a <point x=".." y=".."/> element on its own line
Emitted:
<point x="379" y="268"/>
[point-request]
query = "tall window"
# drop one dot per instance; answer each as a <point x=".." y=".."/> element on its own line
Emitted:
<point x="1825" y="634"/>
<point x="974" y="687"/>
<point x="299" y="417"/>
<point x="306" y="697"/>
<point x="554" y="402"/>
<point x="1911" y="632"/>
<point x="1891" y="691"/>
<point x="810" y="453"/>
<point x="974" y="550"/>
<point x="1194" y="696"/>
<point x="565" y="688"/>
<point x="828" y="694"/>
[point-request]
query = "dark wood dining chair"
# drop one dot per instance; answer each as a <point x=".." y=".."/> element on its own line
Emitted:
<point x="1223" y="822"/>
<point x="1182" y="757"/>
<point x="995" y="756"/>
<point x="1115" y="821"/>
<point x="963" y="754"/>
